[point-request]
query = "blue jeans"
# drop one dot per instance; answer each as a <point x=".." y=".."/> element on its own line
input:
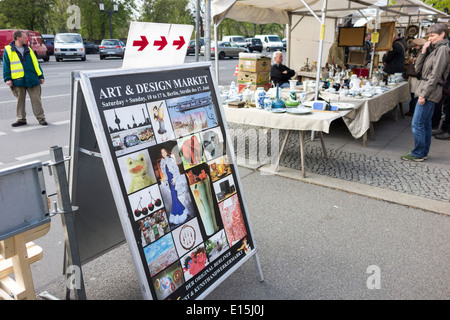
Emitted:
<point x="421" y="128"/>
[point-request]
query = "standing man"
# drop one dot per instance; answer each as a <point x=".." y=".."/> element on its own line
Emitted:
<point x="279" y="73"/>
<point x="22" y="73"/>
<point x="394" y="60"/>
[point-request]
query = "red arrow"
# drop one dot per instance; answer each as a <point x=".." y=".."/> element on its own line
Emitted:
<point x="179" y="43"/>
<point x="142" y="44"/>
<point x="161" y="43"/>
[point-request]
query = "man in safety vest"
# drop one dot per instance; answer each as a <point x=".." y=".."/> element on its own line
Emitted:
<point x="22" y="73"/>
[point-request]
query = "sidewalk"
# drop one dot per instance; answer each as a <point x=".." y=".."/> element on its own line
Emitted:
<point x="317" y="236"/>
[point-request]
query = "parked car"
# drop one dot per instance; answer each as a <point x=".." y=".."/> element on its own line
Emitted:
<point x="254" y="44"/>
<point x="191" y="46"/>
<point x="49" y="41"/>
<point x="284" y="43"/>
<point x="271" y="42"/>
<point x="91" y="47"/>
<point x="111" y="48"/>
<point x="225" y="49"/>
<point x="35" y="41"/>
<point x="238" y="40"/>
<point x="69" y="46"/>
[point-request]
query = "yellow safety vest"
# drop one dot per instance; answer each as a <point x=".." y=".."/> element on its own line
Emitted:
<point x="16" y="65"/>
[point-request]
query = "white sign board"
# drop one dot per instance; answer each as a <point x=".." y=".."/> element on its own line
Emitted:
<point x="156" y="44"/>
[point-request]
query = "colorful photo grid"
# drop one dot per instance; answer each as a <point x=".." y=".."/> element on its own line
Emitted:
<point x="180" y="189"/>
<point x="130" y="128"/>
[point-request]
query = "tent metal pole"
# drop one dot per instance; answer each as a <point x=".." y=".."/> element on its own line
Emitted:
<point x="322" y="36"/>
<point x="372" y="55"/>
<point x="207" y="30"/>
<point x="311" y="10"/>
<point x="216" y="53"/>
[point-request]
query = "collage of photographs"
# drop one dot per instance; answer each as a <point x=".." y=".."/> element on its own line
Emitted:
<point x="179" y="185"/>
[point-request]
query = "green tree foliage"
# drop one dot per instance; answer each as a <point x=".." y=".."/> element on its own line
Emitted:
<point x="167" y="11"/>
<point x="439" y="4"/>
<point x="52" y="16"/>
<point x="25" y="14"/>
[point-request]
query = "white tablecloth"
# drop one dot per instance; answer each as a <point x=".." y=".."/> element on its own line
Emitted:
<point x="316" y="121"/>
<point x="370" y="109"/>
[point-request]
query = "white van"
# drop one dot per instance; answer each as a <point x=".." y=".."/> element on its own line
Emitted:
<point x="69" y="46"/>
<point x="238" y="40"/>
<point x="271" y="42"/>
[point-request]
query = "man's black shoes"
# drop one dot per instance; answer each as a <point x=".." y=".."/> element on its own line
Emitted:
<point x="19" y="123"/>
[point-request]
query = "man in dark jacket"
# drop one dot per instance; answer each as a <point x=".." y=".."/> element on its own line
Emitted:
<point x="279" y="73"/>
<point x="22" y="73"/>
<point x="394" y="60"/>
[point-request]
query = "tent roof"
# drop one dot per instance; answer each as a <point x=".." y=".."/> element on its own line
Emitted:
<point x="278" y="11"/>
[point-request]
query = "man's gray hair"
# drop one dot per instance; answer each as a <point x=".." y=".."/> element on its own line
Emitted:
<point x="276" y="53"/>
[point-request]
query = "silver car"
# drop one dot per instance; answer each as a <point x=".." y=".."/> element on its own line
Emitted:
<point x="225" y="49"/>
<point x="111" y="48"/>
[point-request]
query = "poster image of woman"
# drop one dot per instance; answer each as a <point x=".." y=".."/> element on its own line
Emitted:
<point x="161" y="122"/>
<point x="173" y="184"/>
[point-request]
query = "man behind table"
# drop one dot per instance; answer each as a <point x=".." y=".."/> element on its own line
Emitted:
<point x="279" y="73"/>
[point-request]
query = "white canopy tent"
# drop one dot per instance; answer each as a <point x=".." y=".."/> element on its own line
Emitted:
<point x="282" y="12"/>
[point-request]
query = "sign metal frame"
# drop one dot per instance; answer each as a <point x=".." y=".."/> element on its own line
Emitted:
<point x="85" y="81"/>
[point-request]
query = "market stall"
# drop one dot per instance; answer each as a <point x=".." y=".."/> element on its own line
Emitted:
<point x="301" y="16"/>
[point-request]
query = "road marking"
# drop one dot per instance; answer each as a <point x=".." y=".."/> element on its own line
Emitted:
<point x="47" y="97"/>
<point x="24" y="129"/>
<point x="58" y="123"/>
<point x="32" y="155"/>
<point x="28" y="129"/>
<point x="36" y="155"/>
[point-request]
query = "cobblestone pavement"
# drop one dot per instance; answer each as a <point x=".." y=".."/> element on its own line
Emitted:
<point x="419" y="179"/>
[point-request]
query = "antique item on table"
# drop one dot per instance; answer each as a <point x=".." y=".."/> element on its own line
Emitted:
<point x="355" y="83"/>
<point x="292" y="101"/>
<point x="302" y="97"/>
<point x="267" y="103"/>
<point x="260" y="94"/>
<point x="324" y="106"/>
<point x="236" y="104"/>
<point x="299" y="111"/>
<point x="248" y="94"/>
<point x="277" y="102"/>
<point x="233" y="92"/>
<point x="306" y="67"/>
<point x="292" y="84"/>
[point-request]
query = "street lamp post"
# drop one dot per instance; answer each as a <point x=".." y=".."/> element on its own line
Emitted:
<point x="110" y="13"/>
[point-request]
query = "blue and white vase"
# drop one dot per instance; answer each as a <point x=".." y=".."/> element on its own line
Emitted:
<point x="260" y="94"/>
<point x="267" y="103"/>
